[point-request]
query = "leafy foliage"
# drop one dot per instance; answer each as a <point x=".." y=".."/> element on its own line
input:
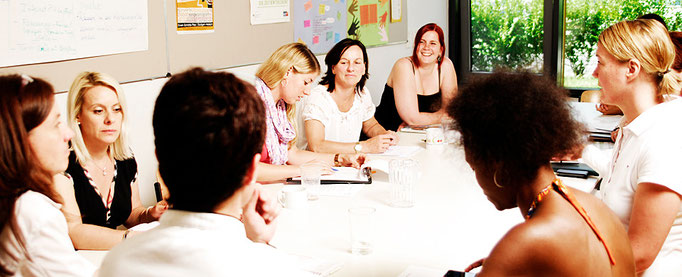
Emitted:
<point x="509" y="33"/>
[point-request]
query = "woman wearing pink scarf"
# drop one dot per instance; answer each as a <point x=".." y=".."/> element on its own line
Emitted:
<point x="282" y="80"/>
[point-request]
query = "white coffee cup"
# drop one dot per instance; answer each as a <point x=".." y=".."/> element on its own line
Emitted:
<point x="293" y="197"/>
<point x="434" y="136"/>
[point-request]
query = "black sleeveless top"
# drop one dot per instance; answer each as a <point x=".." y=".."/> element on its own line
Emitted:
<point x="387" y="114"/>
<point x="90" y="203"/>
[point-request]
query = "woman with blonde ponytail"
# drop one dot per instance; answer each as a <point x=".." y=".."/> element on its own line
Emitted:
<point x="642" y="182"/>
<point x="281" y="81"/>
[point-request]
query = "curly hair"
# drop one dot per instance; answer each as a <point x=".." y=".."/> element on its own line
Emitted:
<point x="518" y="120"/>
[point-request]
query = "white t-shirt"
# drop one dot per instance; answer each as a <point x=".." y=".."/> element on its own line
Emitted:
<point x="338" y="126"/>
<point x="47" y="249"/>
<point x="647" y="150"/>
<point x="196" y="244"/>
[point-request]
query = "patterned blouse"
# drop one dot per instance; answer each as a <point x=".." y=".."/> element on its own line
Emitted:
<point x="279" y="130"/>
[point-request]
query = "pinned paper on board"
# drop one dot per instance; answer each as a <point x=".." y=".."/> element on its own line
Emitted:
<point x="319" y="23"/>
<point x="366" y="21"/>
<point x="194" y="16"/>
<point x="273" y="11"/>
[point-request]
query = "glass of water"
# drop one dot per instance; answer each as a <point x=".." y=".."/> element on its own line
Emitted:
<point x="310" y="178"/>
<point x="361" y="230"/>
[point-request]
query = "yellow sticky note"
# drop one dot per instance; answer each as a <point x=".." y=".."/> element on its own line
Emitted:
<point x="322" y="9"/>
<point x="300" y="41"/>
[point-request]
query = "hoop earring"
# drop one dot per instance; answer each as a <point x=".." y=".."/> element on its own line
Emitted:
<point x="495" y="180"/>
<point x="439" y="58"/>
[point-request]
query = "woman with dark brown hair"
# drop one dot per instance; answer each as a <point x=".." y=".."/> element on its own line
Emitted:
<point x="33" y="148"/>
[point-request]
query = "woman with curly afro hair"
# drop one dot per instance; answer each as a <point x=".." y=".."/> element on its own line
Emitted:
<point x="512" y="125"/>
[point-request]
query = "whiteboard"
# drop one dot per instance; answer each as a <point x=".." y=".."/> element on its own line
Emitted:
<point x="38" y="31"/>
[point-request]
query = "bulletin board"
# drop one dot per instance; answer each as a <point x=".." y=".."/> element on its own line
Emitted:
<point x="233" y="42"/>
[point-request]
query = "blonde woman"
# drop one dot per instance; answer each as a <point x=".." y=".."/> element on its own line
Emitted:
<point x="281" y="81"/>
<point x="101" y="190"/>
<point x="642" y="182"/>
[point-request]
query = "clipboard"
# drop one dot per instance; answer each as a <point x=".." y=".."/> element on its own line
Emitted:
<point x="571" y="169"/>
<point x="365" y="178"/>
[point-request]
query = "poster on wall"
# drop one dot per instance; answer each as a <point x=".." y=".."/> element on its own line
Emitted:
<point x="367" y="21"/>
<point x="319" y="23"/>
<point x="396" y="11"/>
<point x="40" y="31"/>
<point x="194" y="16"/>
<point x="269" y="11"/>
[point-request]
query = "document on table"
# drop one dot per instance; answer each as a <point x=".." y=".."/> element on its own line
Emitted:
<point x="421" y="271"/>
<point x="400" y="151"/>
<point x="345" y="190"/>
<point x="316" y="266"/>
<point x="341" y="175"/>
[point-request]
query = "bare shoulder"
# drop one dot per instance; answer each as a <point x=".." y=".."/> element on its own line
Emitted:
<point x="402" y="65"/>
<point x="528" y="247"/>
<point x="447" y="64"/>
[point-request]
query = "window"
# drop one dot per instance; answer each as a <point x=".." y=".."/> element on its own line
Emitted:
<point x="585" y="19"/>
<point x="506" y="34"/>
<point x="556" y="38"/>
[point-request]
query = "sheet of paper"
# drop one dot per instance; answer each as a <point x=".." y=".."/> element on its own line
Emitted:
<point x="421" y="271"/>
<point x="344" y="190"/>
<point x="342" y="173"/>
<point x="316" y="266"/>
<point x="401" y="151"/>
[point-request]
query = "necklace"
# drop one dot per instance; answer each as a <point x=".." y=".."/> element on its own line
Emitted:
<point x="559" y="187"/>
<point x="103" y="169"/>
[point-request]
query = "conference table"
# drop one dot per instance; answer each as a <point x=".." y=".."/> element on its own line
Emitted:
<point x="451" y="225"/>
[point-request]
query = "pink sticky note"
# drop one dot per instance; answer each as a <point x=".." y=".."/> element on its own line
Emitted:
<point x="308" y="5"/>
<point x="316" y="39"/>
<point x="306" y="23"/>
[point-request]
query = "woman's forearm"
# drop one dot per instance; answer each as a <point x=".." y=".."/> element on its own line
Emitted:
<point x="326" y="146"/>
<point x="268" y="172"/>
<point x="93" y="237"/>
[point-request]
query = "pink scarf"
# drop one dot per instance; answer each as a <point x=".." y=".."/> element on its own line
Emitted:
<point x="279" y="129"/>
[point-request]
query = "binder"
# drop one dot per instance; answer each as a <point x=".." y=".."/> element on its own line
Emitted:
<point x="341" y="176"/>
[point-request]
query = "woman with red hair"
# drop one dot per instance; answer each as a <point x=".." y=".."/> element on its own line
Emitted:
<point x="418" y="85"/>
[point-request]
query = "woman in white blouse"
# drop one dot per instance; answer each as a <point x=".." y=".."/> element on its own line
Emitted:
<point x="642" y="182"/>
<point x="33" y="148"/>
<point x="340" y="108"/>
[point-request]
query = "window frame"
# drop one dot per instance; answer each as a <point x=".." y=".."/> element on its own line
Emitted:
<point x="553" y="41"/>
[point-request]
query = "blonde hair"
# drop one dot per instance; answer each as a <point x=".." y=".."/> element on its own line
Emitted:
<point x="295" y="56"/>
<point x="119" y="150"/>
<point x="647" y="41"/>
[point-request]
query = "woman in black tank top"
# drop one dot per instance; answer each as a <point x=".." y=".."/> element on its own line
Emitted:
<point x="418" y="84"/>
<point x="100" y="190"/>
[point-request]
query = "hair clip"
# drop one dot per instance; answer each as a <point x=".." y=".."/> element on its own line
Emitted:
<point x="25" y="79"/>
<point x="660" y="74"/>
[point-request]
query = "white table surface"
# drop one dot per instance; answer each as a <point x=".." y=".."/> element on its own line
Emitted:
<point x="451" y="225"/>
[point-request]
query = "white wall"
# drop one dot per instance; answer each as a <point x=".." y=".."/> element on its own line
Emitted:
<point x="142" y="95"/>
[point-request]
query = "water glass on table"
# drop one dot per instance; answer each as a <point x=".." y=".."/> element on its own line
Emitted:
<point x="310" y="178"/>
<point x="361" y="229"/>
<point x="402" y="177"/>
